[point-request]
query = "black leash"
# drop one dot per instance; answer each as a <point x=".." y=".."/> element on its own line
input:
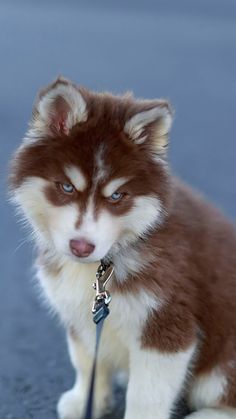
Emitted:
<point x="100" y="312"/>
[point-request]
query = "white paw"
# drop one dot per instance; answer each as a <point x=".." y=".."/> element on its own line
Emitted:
<point x="72" y="405"/>
<point x="212" y="414"/>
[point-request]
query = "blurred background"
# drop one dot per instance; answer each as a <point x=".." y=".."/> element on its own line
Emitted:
<point x="182" y="50"/>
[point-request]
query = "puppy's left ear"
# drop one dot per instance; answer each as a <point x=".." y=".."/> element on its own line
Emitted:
<point x="150" y="123"/>
<point x="59" y="107"/>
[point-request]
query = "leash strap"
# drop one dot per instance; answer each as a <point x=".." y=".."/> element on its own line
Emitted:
<point x="101" y="313"/>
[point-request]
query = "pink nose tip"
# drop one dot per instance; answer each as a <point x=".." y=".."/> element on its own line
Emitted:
<point x="81" y="248"/>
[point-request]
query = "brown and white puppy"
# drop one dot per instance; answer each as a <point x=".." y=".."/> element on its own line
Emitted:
<point x="92" y="180"/>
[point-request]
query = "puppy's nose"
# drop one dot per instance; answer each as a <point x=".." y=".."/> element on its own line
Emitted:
<point x="81" y="248"/>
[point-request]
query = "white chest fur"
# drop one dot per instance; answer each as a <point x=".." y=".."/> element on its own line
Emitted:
<point x="71" y="294"/>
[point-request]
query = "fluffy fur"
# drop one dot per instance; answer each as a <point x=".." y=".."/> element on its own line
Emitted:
<point x="93" y="168"/>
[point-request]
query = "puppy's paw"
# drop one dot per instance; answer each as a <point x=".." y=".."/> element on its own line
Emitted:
<point x="70" y="405"/>
<point x="213" y="414"/>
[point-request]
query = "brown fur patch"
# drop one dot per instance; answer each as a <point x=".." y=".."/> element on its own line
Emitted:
<point x="195" y="272"/>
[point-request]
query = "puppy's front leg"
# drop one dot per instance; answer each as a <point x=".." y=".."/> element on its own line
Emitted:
<point x="72" y="403"/>
<point x="155" y="382"/>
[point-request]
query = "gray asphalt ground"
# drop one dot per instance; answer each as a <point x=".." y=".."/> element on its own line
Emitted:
<point x="183" y="50"/>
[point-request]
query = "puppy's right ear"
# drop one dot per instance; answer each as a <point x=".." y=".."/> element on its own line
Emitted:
<point x="59" y="107"/>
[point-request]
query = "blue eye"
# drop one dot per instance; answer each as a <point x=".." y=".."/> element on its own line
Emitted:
<point x="116" y="196"/>
<point x="67" y="187"/>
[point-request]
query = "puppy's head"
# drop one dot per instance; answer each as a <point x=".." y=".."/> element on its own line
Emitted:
<point x="91" y="175"/>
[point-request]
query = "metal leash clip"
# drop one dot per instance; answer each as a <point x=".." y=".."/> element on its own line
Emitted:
<point x="102" y="299"/>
